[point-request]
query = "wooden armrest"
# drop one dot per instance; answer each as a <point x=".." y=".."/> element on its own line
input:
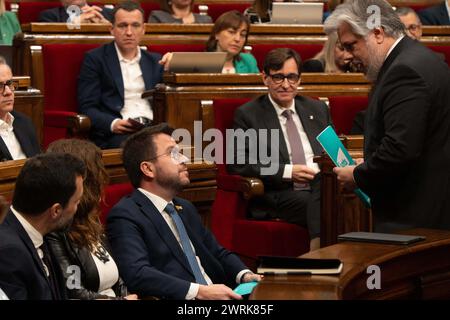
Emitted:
<point x="251" y="187"/>
<point x="79" y="125"/>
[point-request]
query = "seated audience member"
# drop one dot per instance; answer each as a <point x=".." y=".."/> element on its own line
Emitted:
<point x="46" y="195"/>
<point x="331" y="59"/>
<point x="229" y="34"/>
<point x="158" y="239"/>
<point x="292" y="192"/>
<point x="84" y="244"/>
<point x="261" y="11"/>
<point x="9" y="25"/>
<point x="114" y="76"/>
<point x="87" y="13"/>
<point x="177" y="11"/>
<point x="18" y="135"/>
<point x="436" y="15"/>
<point x="411" y="21"/>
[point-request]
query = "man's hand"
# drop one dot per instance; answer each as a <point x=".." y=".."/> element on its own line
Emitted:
<point x="216" y="292"/>
<point x="92" y="14"/>
<point x="302" y="174"/>
<point x="165" y="60"/>
<point x="122" y="126"/>
<point x="250" y="276"/>
<point x="345" y="177"/>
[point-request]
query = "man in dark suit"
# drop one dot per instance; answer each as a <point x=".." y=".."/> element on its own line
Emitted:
<point x="17" y="133"/>
<point x="85" y="13"/>
<point x="47" y="192"/>
<point x="158" y="240"/>
<point x="113" y="78"/>
<point x="437" y="15"/>
<point x="292" y="192"/>
<point x="406" y="171"/>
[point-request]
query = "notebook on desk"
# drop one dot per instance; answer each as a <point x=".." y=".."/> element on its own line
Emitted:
<point x="380" y="237"/>
<point x="297" y="13"/>
<point x="197" y="62"/>
<point x="298" y="266"/>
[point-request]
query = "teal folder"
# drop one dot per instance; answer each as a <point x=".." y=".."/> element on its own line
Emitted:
<point x="339" y="155"/>
<point x="245" y="288"/>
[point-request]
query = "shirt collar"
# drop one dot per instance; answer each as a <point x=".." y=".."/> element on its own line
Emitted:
<point x="9" y="121"/>
<point x="393" y="46"/>
<point x="35" y="236"/>
<point x="137" y="58"/>
<point x="157" y="201"/>
<point x="280" y="109"/>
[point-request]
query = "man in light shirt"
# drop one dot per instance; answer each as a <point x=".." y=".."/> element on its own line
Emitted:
<point x="406" y="168"/>
<point x="113" y="78"/>
<point x="293" y="192"/>
<point x="158" y="240"/>
<point x="17" y="133"/>
<point x="46" y="195"/>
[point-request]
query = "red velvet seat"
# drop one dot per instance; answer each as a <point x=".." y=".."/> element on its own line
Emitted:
<point x="113" y="193"/>
<point x="60" y="88"/>
<point x="343" y="110"/>
<point x="306" y="51"/>
<point x="248" y="238"/>
<point x="148" y="7"/>
<point x="445" y="50"/>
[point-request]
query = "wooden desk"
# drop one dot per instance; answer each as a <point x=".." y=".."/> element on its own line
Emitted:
<point x="418" y="271"/>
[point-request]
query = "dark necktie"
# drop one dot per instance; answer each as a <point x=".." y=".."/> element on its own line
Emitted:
<point x="186" y="244"/>
<point x="297" y="152"/>
<point x="51" y="272"/>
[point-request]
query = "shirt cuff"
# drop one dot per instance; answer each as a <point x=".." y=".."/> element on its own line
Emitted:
<point x="241" y="274"/>
<point x="193" y="291"/>
<point x="287" y="173"/>
<point x="112" y="124"/>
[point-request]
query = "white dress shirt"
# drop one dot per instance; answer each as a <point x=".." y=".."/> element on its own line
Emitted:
<point x="309" y="154"/>
<point x="134" y="86"/>
<point x="161" y="204"/>
<point x="10" y="139"/>
<point x="108" y="274"/>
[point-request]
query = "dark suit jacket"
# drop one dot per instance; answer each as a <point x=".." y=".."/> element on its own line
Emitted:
<point x="67" y="255"/>
<point x="149" y="257"/>
<point x="101" y="88"/>
<point x="25" y="133"/>
<point x="436" y="15"/>
<point x="59" y="14"/>
<point x="260" y="114"/>
<point x="22" y="275"/>
<point x="407" y="141"/>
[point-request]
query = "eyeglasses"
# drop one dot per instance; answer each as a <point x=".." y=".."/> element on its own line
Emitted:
<point x="278" y="78"/>
<point x="414" y="27"/>
<point x="175" y="154"/>
<point x="11" y="84"/>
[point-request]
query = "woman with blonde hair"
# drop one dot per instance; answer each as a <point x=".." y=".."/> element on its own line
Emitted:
<point x="84" y="244"/>
<point x="9" y="25"/>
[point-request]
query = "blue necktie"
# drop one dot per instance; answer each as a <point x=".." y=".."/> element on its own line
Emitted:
<point x="186" y="244"/>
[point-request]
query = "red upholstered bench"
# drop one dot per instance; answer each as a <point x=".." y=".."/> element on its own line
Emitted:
<point x="148" y="7"/>
<point x="113" y="193"/>
<point x="229" y="222"/>
<point x="343" y="110"/>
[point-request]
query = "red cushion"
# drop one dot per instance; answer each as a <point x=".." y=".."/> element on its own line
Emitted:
<point x="216" y="9"/>
<point x="442" y="49"/>
<point x="113" y="193"/>
<point x="343" y="110"/>
<point x="306" y="51"/>
<point x="148" y="7"/>
<point x="164" y="48"/>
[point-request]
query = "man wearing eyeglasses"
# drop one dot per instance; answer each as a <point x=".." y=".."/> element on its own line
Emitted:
<point x="113" y="78"/>
<point x="411" y="21"/>
<point x="406" y="168"/>
<point x="161" y="247"/>
<point x="18" y="135"/>
<point x="293" y="192"/>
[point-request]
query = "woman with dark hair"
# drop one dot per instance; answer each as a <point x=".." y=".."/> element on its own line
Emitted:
<point x="261" y="11"/>
<point x="82" y="250"/>
<point x="177" y="11"/>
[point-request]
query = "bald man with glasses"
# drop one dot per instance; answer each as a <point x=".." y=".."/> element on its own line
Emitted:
<point x="293" y="192"/>
<point x="18" y="138"/>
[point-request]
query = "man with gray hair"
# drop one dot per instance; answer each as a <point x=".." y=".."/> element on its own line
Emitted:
<point x="406" y="171"/>
<point x="411" y="21"/>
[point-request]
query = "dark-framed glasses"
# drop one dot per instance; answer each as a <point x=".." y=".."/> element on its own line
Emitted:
<point x="414" y="27"/>
<point x="279" y="77"/>
<point x="11" y="84"/>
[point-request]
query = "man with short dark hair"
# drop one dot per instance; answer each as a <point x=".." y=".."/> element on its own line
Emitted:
<point x="411" y="21"/>
<point x="293" y="192"/>
<point x="113" y="78"/>
<point x="18" y="138"/>
<point x="46" y="195"/>
<point x="406" y="171"/>
<point x="158" y="240"/>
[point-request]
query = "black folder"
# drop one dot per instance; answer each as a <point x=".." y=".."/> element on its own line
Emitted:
<point x="294" y="265"/>
<point x="380" y="237"/>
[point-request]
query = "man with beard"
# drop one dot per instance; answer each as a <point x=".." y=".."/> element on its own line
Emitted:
<point x="47" y="192"/>
<point x="406" y="171"/>
<point x="159" y="243"/>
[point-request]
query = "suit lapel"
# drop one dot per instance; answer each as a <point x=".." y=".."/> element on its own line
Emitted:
<point x="5" y="154"/>
<point x="112" y="61"/>
<point x="161" y="227"/>
<point x="147" y="75"/>
<point x="270" y="118"/>
<point x="21" y="136"/>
